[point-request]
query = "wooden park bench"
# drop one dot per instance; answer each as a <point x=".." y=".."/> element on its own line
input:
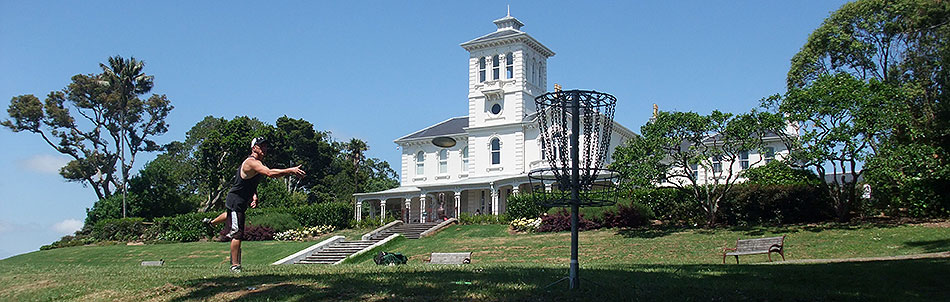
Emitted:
<point x="756" y="246"/>
<point x="451" y="258"/>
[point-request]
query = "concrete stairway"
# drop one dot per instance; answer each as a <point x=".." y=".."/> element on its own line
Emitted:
<point x="410" y="231"/>
<point x="336" y="252"/>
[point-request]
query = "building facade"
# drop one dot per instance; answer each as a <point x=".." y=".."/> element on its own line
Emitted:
<point x="495" y="145"/>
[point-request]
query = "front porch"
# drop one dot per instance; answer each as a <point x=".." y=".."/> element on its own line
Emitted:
<point x="474" y="196"/>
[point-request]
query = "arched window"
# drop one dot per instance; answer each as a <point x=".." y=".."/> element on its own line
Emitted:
<point x="495" y="151"/>
<point x="509" y="65"/>
<point x="420" y="163"/>
<point x="481" y="69"/>
<point x="465" y="160"/>
<point x="495" y="65"/>
<point x="443" y="161"/>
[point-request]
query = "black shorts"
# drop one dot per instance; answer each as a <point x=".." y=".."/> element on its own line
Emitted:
<point x="235" y="225"/>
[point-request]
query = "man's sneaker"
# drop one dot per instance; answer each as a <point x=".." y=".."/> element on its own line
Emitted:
<point x="236" y="268"/>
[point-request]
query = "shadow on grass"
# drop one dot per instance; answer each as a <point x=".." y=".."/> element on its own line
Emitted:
<point x="931" y="246"/>
<point x="648" y="232"/>
<point x="762" y="230"/>
<point x="910" y="280"/>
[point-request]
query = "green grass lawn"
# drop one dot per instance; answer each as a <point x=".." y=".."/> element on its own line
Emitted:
<point x="616" y="265"/>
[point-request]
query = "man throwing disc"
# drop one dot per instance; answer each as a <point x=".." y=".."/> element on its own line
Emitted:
<point x="243" y="193"/>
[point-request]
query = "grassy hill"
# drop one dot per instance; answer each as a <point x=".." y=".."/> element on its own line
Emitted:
<point x="617" y="265"/>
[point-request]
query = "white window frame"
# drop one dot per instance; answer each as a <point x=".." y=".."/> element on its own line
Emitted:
<point x="481" y="69"/>
<point x="443" y="161"/>
<point x="465" y="160"/>
<point x="743" y="160"/>
<point x="420" y="163"/>
<point x="493" y="153"/>
<point x="769" y="154"/>
<point x="509" y="65"/>
<point x="717" y="164"/>
<point x="496" y="67"/>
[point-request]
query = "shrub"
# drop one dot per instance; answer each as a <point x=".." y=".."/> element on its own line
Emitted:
<point x="121" y="229"/>
<point x="780" y="173"/>
<point x="627" y="215"/>
<point x="525" y="205"/>
<point x="561" y="221"/>
<point x="277" y="221"/>
<point x="525" y="224"/>
<point x="467" y="218"/>
<point x="336" y="214"/>
<point x="111" y="208"/>
<point x="301" y="234"/>
<point x="251" y="233"/>
<point x="68" y="241"/>
<point x="750" y="204"/>
<point x="182" y="228"/>
<point x="669" y="204"/>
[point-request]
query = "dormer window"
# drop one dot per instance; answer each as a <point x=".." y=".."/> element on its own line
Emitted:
<point x="481" y="69"/>
<point x="420" y="163"/>
<point x="495" y="65"/>
<point x="509" y="65"/>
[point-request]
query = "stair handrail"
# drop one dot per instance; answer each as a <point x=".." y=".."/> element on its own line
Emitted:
<point x="378" y="230"/>
<point x="309" y="251"/>
<point x="368" y="248"/>
<point x="437" y="227"/>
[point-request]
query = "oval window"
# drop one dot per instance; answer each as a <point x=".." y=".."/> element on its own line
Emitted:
<point x="496" y="109"/>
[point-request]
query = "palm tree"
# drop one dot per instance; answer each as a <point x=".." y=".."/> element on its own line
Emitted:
<point x="127" y="81"/>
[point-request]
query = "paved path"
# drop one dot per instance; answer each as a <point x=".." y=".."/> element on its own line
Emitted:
<point x="903" y="257"/>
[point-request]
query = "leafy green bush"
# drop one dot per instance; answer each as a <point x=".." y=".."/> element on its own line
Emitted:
<point x="120" y="229"/>
<point x="337" y="214"/>
<point x="182" y="228"/>
<point x="68" y="241"/>
<point x="525" y="205"/>
<point x="780" y="173"/>
<point x="625" y="215"/>
<point x="751" y="204"/>
<point x="669" y="204"/>
<point x="301" y="234"/>
<point x="277" y="221"/>
<point x="468" y="218"/>
<point x="111" y="208"/>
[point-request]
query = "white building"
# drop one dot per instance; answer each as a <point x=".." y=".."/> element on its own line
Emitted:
<point x="496" y="143"/>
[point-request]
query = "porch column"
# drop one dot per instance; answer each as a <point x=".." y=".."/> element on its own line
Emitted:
<point x="359" y="210"/>
<point x="422" y="208"/>
<point x="494" y="201"/>
<point x="382" y="210"/>
<point x="458" y="203"/>
<point x="407" y="216"/>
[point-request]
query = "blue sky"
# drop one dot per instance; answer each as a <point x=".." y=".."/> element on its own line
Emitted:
<point x="374" y="70"/>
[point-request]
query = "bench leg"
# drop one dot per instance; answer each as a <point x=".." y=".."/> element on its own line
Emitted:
<point x="723" y="258"/>
<point x="770" y="256"/>
<point x="737" y="259"/>
<point x="783" y="255"/>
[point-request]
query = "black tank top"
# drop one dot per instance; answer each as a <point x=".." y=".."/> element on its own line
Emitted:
<point x="242" y="191"/>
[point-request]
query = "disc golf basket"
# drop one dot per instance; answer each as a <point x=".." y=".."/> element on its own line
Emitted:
<point x="575" y="128"/>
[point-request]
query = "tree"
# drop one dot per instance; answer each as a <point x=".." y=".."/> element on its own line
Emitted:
<point x="904" y="45"/>
<point x="220" y="147"/>
<point x="841" y="125"/>
<point x="674" y="145"/>
<point x="93" y="119"/>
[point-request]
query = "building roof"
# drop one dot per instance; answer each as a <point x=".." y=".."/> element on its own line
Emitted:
<point x="452" y="126"/>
